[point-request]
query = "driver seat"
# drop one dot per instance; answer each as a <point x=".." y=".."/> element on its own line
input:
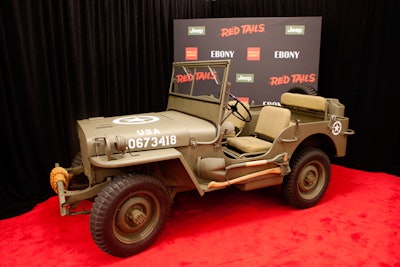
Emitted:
<point x="271" y="121"/>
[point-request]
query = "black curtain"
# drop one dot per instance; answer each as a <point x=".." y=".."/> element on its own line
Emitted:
<point x="66" y="60"/>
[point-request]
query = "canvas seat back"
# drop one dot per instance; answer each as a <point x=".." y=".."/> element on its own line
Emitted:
<point x="271" y="121"/>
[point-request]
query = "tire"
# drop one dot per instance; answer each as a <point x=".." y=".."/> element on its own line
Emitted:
<point x="129" y="214"/>
<point x="77" y="160"/>
<point x="303" y="89"/>
<point x="308" y="180"/>
<point x="80" y="181"/>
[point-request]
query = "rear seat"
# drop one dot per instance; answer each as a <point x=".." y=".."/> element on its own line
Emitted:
<point x="310" y="102"/>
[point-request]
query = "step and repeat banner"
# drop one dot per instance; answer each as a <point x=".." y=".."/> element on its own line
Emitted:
<point x="269" y="56"/>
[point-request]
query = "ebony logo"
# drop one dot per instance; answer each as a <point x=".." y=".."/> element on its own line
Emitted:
<point x="287" y="54"/>
<point x="222" y="53"/>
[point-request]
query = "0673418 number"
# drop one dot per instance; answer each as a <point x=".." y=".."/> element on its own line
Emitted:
<point x="155" y="141"/>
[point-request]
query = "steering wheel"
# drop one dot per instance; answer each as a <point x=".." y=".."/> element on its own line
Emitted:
<point x="235" y="111"/>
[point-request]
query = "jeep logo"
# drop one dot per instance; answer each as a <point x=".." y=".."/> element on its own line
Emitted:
<point x="295" y="29"/>
<point x="244" y="78"/>
<point x="196" y="30"/>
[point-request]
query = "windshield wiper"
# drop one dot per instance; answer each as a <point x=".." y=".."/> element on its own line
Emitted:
<point x="186" y="71"/>
<point x="212" y="71"/>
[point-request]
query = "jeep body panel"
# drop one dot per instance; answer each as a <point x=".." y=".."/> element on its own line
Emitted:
<point x="146" y="131"/>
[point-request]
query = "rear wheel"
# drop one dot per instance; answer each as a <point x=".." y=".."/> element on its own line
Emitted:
<point x="129" y="214"/>
<point x="308" y="180"/>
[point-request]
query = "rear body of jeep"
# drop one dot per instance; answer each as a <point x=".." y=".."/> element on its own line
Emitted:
<point x="136" y="164"/>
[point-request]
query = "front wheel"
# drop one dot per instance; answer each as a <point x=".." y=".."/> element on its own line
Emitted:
<point x="129" y="214"/>
<point x="308" y="180"/>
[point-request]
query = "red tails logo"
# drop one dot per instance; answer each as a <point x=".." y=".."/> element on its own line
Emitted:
<point x="253" y="53"/>
<point x="200" y="76"/>
<point x="243" y="29"/>
<point x="191" y="53"/>
<point x="294" y="78"/>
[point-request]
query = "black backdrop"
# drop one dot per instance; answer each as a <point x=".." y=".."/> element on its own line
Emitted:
<point x="66" y="60"/>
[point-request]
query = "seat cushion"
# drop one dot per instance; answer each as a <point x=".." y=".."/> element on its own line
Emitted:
<point x="249" y="144"/>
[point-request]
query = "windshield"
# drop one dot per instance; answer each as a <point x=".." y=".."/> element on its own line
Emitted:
<point x="198" y="81"/>
<point x="200" y="88"/>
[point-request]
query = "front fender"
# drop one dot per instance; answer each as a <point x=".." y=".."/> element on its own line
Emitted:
<point x="144" y="157"/>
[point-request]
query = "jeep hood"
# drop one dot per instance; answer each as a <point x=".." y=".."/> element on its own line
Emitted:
<point x="143" y="132"/>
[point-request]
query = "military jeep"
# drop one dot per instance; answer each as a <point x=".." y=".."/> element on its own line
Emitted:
<point x="206" y="140"/>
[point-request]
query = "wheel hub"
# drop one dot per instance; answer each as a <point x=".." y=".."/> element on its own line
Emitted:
<point x="133" y="214"/>
<point x="138" y="217"/>
<point x="310" y="179"/>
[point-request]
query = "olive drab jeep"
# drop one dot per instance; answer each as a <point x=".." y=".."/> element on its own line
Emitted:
<point x="207" y="139"/>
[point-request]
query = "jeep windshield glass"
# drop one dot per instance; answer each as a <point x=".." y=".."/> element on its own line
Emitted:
<point x="194" y="81"/>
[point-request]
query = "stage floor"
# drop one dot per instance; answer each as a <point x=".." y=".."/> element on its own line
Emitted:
<point x="356" y="224"/>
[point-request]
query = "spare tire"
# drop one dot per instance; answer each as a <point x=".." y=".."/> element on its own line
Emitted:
<point x="303" y="89"/>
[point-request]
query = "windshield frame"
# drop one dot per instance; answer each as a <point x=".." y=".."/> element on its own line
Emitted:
<point x="207" y="107"/>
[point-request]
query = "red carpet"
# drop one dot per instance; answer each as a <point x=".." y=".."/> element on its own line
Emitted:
<point x="356" y="224"/>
